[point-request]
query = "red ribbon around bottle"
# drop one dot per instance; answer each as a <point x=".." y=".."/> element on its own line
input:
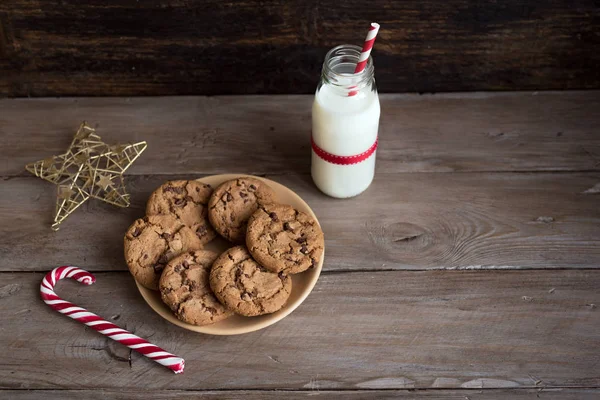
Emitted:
<point x="343" y="160"/>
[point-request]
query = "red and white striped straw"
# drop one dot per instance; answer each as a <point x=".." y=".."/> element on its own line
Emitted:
<point x="367" y="46"/>
<point x="365" y="53"/>
<point x="174" y="363"/>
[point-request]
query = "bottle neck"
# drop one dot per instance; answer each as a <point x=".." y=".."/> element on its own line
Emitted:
<point x="338" y="71"/>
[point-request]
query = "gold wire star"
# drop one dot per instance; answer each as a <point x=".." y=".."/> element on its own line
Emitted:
<point x="89" y="168"/>
<point x="104" y="181"/>
<point x="65" y="192"/>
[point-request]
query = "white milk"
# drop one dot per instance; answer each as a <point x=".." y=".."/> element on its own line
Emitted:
<point x="344" y="125"/>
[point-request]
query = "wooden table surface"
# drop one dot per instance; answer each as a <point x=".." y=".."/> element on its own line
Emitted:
<point x="468" y="270"/>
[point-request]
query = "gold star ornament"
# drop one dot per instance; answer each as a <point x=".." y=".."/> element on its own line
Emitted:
<point x="89" y="168"/>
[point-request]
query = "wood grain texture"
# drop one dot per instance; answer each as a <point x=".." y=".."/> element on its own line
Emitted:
<point x="492" y="394"/>
<point x="360" y="331"/>
<point x="403" y="221"/>
<point x="158" y="47"/>
<point x="502" y="182"/>
<point x="555" y="131"/>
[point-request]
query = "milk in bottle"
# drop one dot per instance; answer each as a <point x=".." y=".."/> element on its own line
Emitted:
<point x="345" y="120"/>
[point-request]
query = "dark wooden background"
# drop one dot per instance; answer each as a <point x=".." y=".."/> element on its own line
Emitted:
<point x="172" y="47"/>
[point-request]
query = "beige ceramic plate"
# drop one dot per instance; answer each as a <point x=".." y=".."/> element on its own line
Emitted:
<point x="302" y="284"/>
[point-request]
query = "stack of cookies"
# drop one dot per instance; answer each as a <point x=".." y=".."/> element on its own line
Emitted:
<point x="164" y="250"/>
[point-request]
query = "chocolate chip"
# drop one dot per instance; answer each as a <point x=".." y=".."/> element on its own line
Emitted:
<point x="246" y="296"/>
<point x="281" y="275"/>
<point x="301" y="240"/>
<point x="243" y="194"/>
<point x="145" y="256"/>
<point x="313" y="262"/>
<point x="158" y="268"/>
<point x="173" y="189"/>
<point x="136" y="232"/>
<point x="185" y="263"/>
<point x="273" y="216"/>
<point x="201" y="231"/>
<point x="286" y="226"/>
<point x="179" y="202"/>
<point x="252" y="188"/>
<point x="166" y="236"/>
<point x="178" y="268"/>
<point x="211" y="310"/>
<point x="229" y="197"/>
<point x="304" y="249"/>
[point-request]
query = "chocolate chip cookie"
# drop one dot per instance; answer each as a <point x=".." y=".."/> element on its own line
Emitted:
<point x="188" y="200"/>
<point x="232" y="203"/>
<point x="245" y="286"/>
<point x="152" y="241"/>
<point x="284" y="239"/>
<point x="184" y="287"/>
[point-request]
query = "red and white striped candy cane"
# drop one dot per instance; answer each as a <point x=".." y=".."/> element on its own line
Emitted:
<point x="174" y="363"/>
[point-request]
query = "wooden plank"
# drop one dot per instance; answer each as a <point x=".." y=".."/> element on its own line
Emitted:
<point x="50" y="48"/>
<point x="493" y="394"/>
<point x="404" y="221"/>
<point x="209" y="135"/>
<point x="360" y="331"/>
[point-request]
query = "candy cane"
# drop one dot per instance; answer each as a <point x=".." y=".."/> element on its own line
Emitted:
<point x="106" y="328"/>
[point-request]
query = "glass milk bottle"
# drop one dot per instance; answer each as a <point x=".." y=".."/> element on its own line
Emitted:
<point x="345" y="120"/>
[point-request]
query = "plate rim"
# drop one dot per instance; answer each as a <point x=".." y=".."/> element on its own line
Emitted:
<point x="279" y="315"/>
